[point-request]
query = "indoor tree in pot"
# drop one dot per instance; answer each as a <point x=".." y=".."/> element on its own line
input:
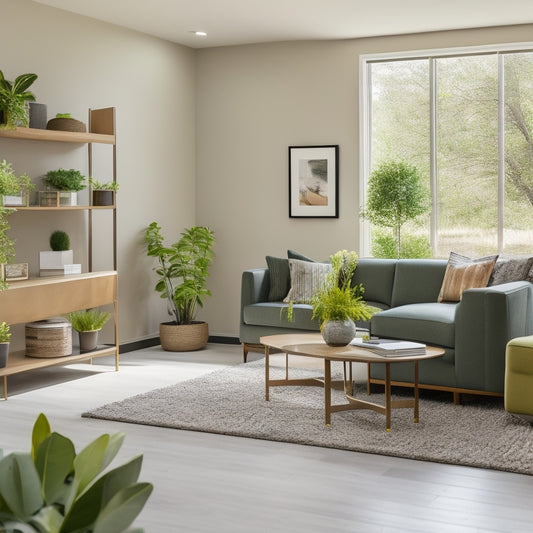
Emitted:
<point x="5" y="335"/>
<point x="183" y="271"/>
<point x="88" y="323"/>
<point x="338" y="303"/>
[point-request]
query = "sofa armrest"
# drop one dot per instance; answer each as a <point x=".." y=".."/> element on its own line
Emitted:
<point x="255" y="284"/>
<point x="486" y="319"/>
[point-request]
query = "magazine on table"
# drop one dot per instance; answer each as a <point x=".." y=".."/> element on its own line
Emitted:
<point x="391" y="347"/>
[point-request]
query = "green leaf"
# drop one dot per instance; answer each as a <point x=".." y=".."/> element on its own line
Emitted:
<point x="87" y="507"/>
<point x="123" y="508"/>
<point x="41" y="430"/>
<point x="54" y="462"/>
<point x="23" y="82"/>
<point x="20" y="485"/>
<point x="88" y="463"/>
<point x="16" y="527"/>
<point x="48" y="519"/>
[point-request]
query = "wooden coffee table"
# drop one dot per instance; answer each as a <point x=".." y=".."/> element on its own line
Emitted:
<point x="313" y="345"/>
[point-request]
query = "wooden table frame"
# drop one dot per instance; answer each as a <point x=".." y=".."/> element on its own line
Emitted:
<point x="312" y="345"/>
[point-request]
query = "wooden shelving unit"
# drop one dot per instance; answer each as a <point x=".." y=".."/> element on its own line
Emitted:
<point x="41" y="298"/>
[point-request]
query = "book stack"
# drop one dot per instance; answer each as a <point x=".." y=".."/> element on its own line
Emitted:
<point x="391" y="347"/>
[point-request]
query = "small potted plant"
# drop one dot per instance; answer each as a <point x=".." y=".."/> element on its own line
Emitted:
<point x="13" y="98"/>
<point x="66" y="183"/>
<point x="14" y="190"/>
<point x="88" y="323"/>
<point x="5" y="335"/>
<point x="53" y="262"/>
<point x="103" y="192"/>
<point x="337" y="304"/>
<point x="183" y="271"/>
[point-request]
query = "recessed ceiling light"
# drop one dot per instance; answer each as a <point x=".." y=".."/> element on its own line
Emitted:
<point x="199" y="33"/>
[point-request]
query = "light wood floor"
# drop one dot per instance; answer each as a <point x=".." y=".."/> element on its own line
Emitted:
<point x="214" y="483"/>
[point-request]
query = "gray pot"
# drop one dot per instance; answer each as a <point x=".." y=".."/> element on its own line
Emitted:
<point x="88" y="340"/>
<point x="338" y="332"/>
<point x="38" y="118"/>
<point x="4" y="352"/>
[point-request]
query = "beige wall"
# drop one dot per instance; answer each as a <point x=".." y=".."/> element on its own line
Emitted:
<point x="225" y="167"/>
<point x="253" y="102"/>
<point x="83" y="63"/>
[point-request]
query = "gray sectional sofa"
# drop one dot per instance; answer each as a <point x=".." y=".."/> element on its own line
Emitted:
<point x="474" y="332"/>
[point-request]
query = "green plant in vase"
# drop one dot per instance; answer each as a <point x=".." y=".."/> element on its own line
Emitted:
<point x="337" y="304"/>
<point x="65" y="180"/>
<point x="88" y="320"/>
<point x="103" y="185"/>
<point x="13" y="98"/>
<point x="5" y="332"/>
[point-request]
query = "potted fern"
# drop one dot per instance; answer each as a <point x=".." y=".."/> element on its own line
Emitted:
<point x="183" y="271"/>
<point x="5" y="335"/>
<point x="338" y="303"/>
<point x="88" y="324"/>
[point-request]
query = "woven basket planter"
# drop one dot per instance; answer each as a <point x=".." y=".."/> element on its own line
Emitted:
<point x="186" y="338"/>
<point x="66" y="124"/>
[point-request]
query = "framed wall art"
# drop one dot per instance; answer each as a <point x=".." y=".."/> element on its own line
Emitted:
<point x="314" y="181"/>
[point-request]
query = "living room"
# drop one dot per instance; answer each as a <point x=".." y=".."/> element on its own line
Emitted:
<point x="208" y="129"/>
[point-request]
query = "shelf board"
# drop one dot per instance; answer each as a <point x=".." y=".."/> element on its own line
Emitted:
<point x="33" y="134"/>
<point x="61" y="207"/>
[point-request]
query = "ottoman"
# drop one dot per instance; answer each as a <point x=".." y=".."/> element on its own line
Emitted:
<point x="518" y="395"/>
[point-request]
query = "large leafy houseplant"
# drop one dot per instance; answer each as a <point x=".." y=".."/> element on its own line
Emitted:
<point x="183" y="269"/>
<point x="13" y="98"/>
<point x="53" y="489"/>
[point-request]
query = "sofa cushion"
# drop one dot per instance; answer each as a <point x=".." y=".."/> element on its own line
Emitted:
<point x="511" y="268"/>
<point x="306" y="278"/>
<point x="275" y="315"/>
<point x="291" y="254"/>
<point x="417" y="281"/>
<point x="431" y="323"/>
<point x="278" y="270"/>
<point x="463" y="273"/>
<point x="377" y="277"/>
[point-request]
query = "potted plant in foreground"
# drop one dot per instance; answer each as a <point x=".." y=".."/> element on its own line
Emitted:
<point x="52" y="488"/>
<point x="103" y="192"/>
<point x="183" y="271"/>
<point x="5" y="335"/>
<point x="88" y="323"/>
<point x="337" y="304"/>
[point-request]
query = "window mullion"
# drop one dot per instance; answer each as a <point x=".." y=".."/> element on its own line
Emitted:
<point x="433" y="82"/>
<point x="501" y="151"/>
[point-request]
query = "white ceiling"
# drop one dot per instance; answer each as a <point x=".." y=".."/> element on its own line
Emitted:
<point x="229" y="22"/>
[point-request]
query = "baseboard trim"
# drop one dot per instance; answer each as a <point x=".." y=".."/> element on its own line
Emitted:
<point x="154" y="341"/>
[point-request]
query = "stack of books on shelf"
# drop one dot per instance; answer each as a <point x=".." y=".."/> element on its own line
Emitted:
<point x="391" y="347"/>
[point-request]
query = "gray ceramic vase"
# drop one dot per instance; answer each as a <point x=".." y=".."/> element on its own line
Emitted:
<point x="338" y="332"/>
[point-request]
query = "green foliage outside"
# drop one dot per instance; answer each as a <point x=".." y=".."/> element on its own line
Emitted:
<point x="412" y="246"/>
<point x="65" y="180"/>
<point x="53" y="489"/>
<point x="59" y="241"/>
<point x="395" y="196"/>
<point x="183" y="269"/>
<point x="88" y="320"/>
<point x="5" y="332"/>
<point x="13" y="98"/>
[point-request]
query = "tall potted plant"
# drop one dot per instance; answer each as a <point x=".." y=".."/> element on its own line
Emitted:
<point x="338" y="303"/>
<point x="183" y="271"/>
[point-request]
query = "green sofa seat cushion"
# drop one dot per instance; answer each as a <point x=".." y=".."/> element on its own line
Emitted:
<point x="274" y="314"/>
<point x="431" y="323"/>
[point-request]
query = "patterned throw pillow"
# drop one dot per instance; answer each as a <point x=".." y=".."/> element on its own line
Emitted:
<point x="511" y="268"/>
<point x="280" y="280"/>
<point x="464" y="273"/>
<point x="306" y="278"/>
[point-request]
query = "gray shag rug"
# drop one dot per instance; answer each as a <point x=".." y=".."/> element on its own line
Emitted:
<point x="478" y="433"/>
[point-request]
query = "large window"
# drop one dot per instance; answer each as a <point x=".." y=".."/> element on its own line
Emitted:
<point x="465" y="121"/>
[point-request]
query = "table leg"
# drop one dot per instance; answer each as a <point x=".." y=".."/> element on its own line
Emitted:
<point x="388" y="402"/>
<point x="267" y="376"/>
<point x="416" y="391"/>
<point x="327" y="390"/>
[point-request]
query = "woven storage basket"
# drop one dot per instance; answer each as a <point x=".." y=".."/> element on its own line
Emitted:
<point x="187" y="338"/>
<point x="49" y="338"/>
<point x="66" y="124"/>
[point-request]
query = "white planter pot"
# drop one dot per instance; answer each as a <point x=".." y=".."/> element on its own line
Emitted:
<point x="49" y="260"/>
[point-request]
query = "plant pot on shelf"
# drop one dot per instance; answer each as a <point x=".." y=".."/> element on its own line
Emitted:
<point x="103" y="197"/>
<point x="183" y="338"/>
<point x="57" y="198"/>
<point x="38" y="116"/>
<point x="88" y="340"/>
<point x="4" y="353"/>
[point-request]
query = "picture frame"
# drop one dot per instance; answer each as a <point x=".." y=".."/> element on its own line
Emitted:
<point x="15" y="271"/>
<point x="314" y="181"/>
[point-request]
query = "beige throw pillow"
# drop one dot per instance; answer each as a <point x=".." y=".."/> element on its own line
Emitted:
<point x="464" y="273"/>
<point x="306" y="278"/>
